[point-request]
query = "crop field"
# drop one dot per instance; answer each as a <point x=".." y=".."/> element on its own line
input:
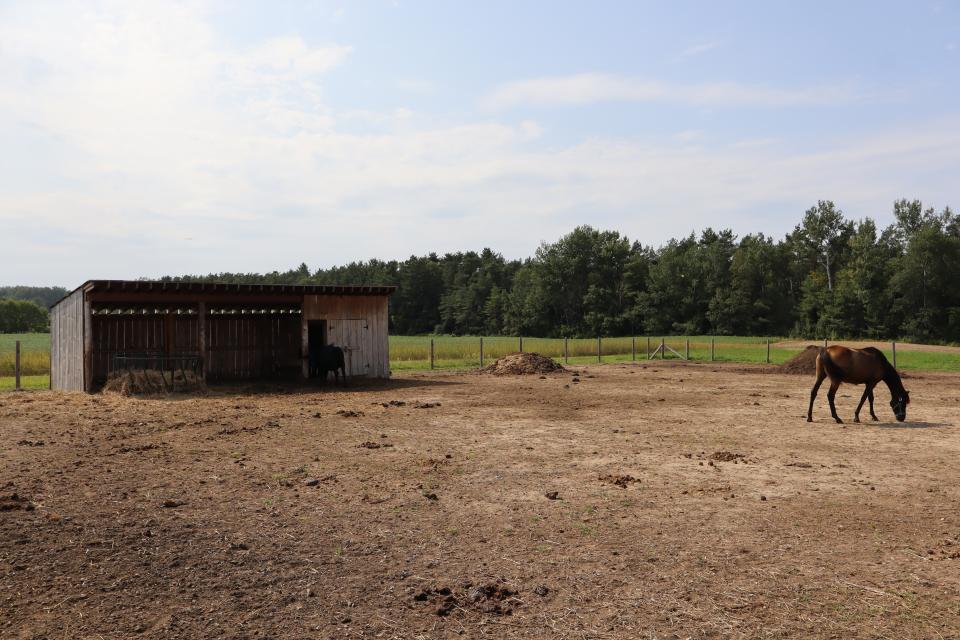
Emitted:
<point x="631" y="500"/>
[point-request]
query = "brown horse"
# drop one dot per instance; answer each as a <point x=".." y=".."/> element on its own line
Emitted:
<point x="858" y="366"/>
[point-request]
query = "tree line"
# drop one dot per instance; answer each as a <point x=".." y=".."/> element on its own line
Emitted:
<point x="830" y="277"/>
<point x="24" y="309"/>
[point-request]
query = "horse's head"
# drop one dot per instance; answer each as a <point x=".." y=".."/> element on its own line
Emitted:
<point x="899" y="404"/>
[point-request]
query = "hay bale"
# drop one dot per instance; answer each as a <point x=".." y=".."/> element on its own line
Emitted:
<point x="153" y="382"/>
<point x="804" y="363"/>
<point x="518" y="364"/>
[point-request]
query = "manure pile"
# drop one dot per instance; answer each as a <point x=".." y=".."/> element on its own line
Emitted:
<point x="517" y="364"/>
<point x="804" y="363"/>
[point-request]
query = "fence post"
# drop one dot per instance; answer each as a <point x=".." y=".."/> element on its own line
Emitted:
<point x="894" y="354"/>
<point x="768" y="351"/>
<point x="16" y="367"/>
<point x="521" y="344"/>
<point x="431" y="353"/>
<point x="481" y="352"/>
<point x="648" y="347"/>
<point x="599" y="351"/>
<point x="633" y="348"/>
<point x="711" y="350"/>
<point x="824" y="342"/>
<point x="686" y="351"/>
<point x="566" y="352"/>
<point x="663" y="347"/>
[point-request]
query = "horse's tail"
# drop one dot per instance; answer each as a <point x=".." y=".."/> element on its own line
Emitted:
<point x="828" y="365"/>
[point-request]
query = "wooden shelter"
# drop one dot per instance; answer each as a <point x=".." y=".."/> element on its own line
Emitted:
<point x="224" y="331"/>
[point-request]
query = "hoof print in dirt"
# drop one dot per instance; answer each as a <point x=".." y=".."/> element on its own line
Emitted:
<point x="349" y="413"/>
<point x="552" y="495"/>
<point x="14" y="502"/>
<point x="621" y="481"/>
<point x="494" y="599"/>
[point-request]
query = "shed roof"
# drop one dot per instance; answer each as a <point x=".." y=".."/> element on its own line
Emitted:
<point x="141" y="287"/>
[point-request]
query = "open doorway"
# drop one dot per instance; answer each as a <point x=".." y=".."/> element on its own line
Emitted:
<point x="316" y="339"/>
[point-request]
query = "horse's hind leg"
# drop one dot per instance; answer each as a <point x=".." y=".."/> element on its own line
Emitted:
<point x="831" y="394"/>
<point x="866" y="394"/>
<point x="813" y="392"/>
<point x="870" y="398"/>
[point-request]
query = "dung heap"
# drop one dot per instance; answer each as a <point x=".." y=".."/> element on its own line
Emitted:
<point x="518" y="364"/>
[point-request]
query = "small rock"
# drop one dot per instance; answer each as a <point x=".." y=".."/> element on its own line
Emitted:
<point x="311" y="482"/>
<point x="552" y="495"/>
<point x="763" y="498"/>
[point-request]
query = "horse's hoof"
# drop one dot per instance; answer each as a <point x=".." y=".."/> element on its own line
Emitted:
<point x="809" y="419"/>
<point x="839" y="421"/>
<point x="856" y="419"/>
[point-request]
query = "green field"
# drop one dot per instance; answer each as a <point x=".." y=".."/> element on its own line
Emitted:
<point x="410" y="353"/>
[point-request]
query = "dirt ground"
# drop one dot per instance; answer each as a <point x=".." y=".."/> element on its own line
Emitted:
<point x="640" y="501"/>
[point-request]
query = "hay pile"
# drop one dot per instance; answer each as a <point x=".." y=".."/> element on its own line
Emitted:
<point x="151" y="382"/>
<point x="518" y="364"/>
<point x="804" y="363"/>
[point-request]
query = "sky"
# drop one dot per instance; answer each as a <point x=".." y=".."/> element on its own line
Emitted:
<point x="140" y="139"/>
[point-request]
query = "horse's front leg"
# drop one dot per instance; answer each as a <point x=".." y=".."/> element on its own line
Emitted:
<point x="830" y="396"/>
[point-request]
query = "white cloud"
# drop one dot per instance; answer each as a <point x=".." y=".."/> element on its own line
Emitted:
<point x="588" y="88"/>
<point x="147" y="129"/>
<point x="697" y="49"/>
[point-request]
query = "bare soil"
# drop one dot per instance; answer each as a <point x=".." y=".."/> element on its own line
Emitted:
<point x="674" y="500"/>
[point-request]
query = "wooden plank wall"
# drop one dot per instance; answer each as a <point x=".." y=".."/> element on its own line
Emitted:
<point x="241" y="347"/>
<point x="358" y="323"/>
<point x="138" y="334"/>
<point x="66" y="344"/>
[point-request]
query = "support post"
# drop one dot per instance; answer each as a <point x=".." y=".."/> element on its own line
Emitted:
<point x="304" y="346"/>
<point x="566" y="351"/>
<point x="481" y="352"/>
<point x="633" y="348"/>
<point x="663" y="347"/>
<point x="431" y="353"/>
<point x="648" y="347"/>
<point x="824" y="342"/>
<point x="16" y="367"/>
<point x="894" y="345"/>
<point x="686" y="350"/>
<point x="202" y="337"/>
<point x="768" y="351"/>
<point x="521" y="344"/>
<point x="599" y="349"/>
<point x="712" y="350"/>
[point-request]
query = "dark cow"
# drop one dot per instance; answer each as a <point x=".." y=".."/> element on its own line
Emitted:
<point x="325" y="359"/>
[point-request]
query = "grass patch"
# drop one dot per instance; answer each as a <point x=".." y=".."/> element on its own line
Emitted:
<point x="34" y="353"/>
<point x="26" y="382"/>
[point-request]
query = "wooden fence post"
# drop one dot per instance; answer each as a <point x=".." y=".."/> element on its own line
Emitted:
<point x="894" y="344"/>
<point x="648" y="347"/>
<point x="481" y="352"/>
<point x="566" y="352"/>
<point x="16" y="367"/>
<point x="431" y="353"/>
<point x="768" y="351"/>
<point x="663" y="347"/>
<point x="521" y="344"/>
<point x="686" y="351"/>
<point x="633" y="348"/>
<point x="824" y="342"/>
<point x="711" y="349"/>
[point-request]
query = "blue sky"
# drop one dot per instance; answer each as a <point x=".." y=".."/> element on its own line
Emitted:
<point x="147" y="138"/>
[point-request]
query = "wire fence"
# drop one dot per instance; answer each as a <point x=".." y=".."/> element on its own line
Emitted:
<point x="439" y="352"/>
